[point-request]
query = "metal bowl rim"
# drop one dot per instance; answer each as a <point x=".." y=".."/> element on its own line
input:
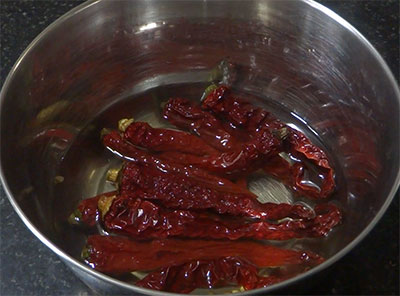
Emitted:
<point x="98" y="275"/>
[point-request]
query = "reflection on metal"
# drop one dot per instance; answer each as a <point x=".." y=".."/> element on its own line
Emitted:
<point x="148" y="26"/>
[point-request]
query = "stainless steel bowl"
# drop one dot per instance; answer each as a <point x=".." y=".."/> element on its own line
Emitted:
<point x="301" y="58"/>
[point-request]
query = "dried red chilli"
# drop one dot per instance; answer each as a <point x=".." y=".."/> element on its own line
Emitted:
<point x="175" y="185"/>
<point x="291" y="175"/>
<point x="302" y="148"/>
<point x="160" y="139"/>
<point x="113" y="141"/>
<point x="242" y="182"/>
<point x="118" y="255"/>
<point x="236" y="157"/>
<point x="179" y="192"/>
<point x="215" y="273"/>
<point x="189" y="116"/>
<point x="255" y="120"/>
<point x="87" y="210"/>
<point x="246" y="158"/>
<point x="143" y="219"/>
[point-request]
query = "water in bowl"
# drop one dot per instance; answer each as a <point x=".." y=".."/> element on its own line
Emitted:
<point x="85" y="165"/>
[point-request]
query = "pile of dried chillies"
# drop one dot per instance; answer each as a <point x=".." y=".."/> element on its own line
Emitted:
<point x="182" y="211"/>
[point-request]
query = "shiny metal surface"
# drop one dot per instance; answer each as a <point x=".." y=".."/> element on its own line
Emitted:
<point x="297" y="55"/>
